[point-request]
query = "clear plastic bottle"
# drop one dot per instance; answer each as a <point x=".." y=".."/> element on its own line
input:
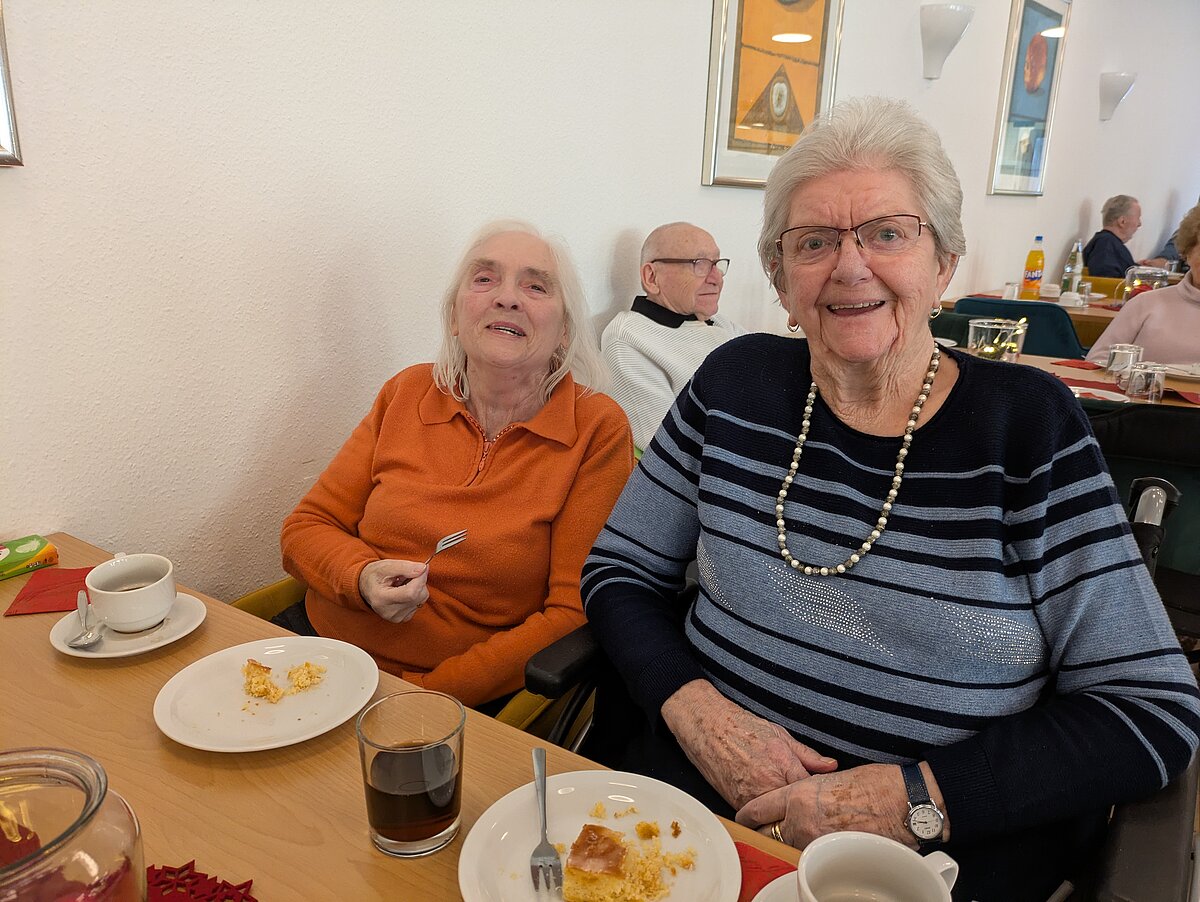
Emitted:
<point x="1073" y="271"/>
<point x="1035" y="265"/>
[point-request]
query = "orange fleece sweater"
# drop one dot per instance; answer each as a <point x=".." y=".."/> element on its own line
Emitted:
<point x="416" y="469"/>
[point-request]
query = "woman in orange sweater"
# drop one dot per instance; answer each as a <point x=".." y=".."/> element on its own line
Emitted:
<point x="496" y="437"/>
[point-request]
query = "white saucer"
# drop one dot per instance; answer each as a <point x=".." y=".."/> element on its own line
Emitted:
<point x="1098" y="394"/>
<point x="946" y="342"/>
<point x="1190" y="373"/>
<point x="185" y="615"/>
<point x="781" y="889"/>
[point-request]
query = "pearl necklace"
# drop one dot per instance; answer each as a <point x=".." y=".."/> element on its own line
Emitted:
<point x="897" y="478"/>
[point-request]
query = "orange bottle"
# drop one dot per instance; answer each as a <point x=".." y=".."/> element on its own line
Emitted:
<point x="1035" y="263"/>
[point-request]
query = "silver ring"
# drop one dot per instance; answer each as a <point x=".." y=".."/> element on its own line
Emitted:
<point x="775" y="834"/>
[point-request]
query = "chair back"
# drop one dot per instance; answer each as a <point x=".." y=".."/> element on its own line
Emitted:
<point x="1049" y="333"/>
<point x="952" y="326"/>
<point x="1109" y="287"/>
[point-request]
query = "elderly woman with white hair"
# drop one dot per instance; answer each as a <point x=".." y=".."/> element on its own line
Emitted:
<point x="496" y="437"/>
<point x="921" y="612"/>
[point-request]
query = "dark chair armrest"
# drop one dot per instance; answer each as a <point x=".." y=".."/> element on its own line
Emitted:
<point x="558" y="667"/>
<point x="1148" y="848"/>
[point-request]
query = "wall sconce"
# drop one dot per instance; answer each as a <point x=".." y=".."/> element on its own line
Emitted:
<point x="1113" y="88"/>
<point x="942" y="25"/>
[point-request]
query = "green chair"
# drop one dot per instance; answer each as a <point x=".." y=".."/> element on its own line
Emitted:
<point x="953" y="326"/>
<point x="1049" y="333"/>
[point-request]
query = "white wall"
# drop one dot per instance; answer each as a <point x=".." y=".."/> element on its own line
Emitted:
<point x="234" y="219"/>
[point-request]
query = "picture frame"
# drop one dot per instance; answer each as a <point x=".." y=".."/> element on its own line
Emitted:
<point x="1037" y="37"/>
<point x="762" y="90"/>
<point x="10" y="148"/>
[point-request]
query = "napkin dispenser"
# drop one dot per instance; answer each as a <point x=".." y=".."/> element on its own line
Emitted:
<point x="27" y="553"/>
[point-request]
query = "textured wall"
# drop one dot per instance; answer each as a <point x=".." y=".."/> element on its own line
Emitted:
<point x="235" y="218"/>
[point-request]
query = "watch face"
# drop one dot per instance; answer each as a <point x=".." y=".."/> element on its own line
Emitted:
<point x="925" y="822"/>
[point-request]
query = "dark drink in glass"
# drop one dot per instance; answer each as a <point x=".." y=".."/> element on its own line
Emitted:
<point x="410" y="745"/>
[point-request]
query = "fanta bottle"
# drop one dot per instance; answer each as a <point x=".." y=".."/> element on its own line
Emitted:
<point x="1035" y="263"/>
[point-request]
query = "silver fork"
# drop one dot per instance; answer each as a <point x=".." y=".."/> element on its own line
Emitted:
<point x="544" y="867"/>
<point x="447" y="542"/>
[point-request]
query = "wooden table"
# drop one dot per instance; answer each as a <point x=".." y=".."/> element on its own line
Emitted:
<point x="1169" y="399"/>
<point x="292" y="819"/>
<point x="1089" y="321"/>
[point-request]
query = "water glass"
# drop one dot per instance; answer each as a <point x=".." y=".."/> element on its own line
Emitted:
<point x="1146" y="381"/>
<point x="1085" y="291"/>
<point x="1120" y="358"/>
<point x="410" y="745"/>
<point x="1012" y="291"/>
<point x="996" y="339"/>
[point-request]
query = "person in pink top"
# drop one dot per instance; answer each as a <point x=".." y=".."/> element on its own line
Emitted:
<point x="1166" y="322"/>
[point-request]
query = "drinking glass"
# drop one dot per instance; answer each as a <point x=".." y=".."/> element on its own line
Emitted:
<point x="411" y="745"/>
<point x="1146" y="381"/>
<point x="1012" y="291"/>
<point x="1120" y="358"/>
<point x="1085" y="291"/>
<point x="996" y="339"/>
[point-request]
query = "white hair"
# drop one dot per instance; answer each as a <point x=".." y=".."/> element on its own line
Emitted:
<point x="1116" y="207"/>
<point x="579" y="356"/>
<point x="867" y="133"/>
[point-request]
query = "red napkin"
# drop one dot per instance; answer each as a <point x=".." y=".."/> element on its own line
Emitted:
<point x="1078" y="364"/>
<point x="52" y="589"/>
<point x="1109" y="306"/>
<point x="758" y="869"/>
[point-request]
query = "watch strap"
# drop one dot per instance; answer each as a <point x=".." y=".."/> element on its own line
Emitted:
<point x="914" y="785"/>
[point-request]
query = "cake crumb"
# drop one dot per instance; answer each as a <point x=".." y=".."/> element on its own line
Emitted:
<point x="598" y="810"/>
<point x="675" y="829"/>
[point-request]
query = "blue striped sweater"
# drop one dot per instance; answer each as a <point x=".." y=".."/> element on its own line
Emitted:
<point x="1002" y="628"/>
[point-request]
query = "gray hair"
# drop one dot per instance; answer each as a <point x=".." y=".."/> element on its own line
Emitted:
<point x="1116" y="207"/>
<point x="579" y="357"/>
<point x="867" y="133"/>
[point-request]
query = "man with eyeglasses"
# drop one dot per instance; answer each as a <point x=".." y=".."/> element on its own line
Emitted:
<point x="653" y="349"/>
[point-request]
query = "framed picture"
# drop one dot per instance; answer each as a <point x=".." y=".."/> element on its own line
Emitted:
<point x="772" y="65"/>
<point x="10" y="150"/>
<point x="1037" y="34"/>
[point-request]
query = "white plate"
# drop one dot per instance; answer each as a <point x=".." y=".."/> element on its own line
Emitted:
<point x="494" y="863"/>
<point x="1188" y="373"/>
<point x="1097" y="296"/>
<point x="184" y="616"/>
<point x="781" y="889"/>
<point x="946" y="342"/>
<point x="1098" y="393"/>
<point x="205" y="705"/>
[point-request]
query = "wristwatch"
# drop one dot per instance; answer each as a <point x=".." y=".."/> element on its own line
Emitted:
<point x="925" y="820"/>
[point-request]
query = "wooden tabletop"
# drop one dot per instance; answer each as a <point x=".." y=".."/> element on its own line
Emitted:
<point x="292" y="819"/>
<point x="1169" y="398"/>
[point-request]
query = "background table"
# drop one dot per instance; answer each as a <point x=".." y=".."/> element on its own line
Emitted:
<point x="292" y="819"/>
<point x="1169" y="399"/>
<point x="1089" y="321"/>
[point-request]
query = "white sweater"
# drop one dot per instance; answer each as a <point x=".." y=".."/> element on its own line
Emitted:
<point x="1165" y="322"/>
<point x="651" y="353"/>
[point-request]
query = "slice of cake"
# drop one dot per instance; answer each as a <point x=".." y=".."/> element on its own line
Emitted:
<point x="259" y="683"/>
<point x="595" y="869"/>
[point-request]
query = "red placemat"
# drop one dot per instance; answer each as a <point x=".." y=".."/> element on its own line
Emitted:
<point x="1078" y="364"/>
<point x="1189" y="396"/>
<point x="186" y="884"/>
<point x="758" y="869"/>
<point x="1108" y="306"/>
<point x="49" y="590"/>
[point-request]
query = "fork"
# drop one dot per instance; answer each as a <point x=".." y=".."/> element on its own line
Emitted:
<point x="544" y="867"/>
<point x="447" y="542"/>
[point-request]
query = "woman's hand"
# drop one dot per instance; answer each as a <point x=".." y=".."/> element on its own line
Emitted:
<point x="870" y="798"/>
<point x="394" y="589"/>
<point x="739" y="753"/>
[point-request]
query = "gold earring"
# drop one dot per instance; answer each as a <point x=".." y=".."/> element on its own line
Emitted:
<point x="935" y="313"/>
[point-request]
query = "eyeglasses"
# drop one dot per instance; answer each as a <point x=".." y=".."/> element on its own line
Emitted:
<point x="885" y="235"/>
<point x="701" y="266"/>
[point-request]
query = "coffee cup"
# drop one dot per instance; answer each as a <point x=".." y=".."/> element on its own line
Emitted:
<point x="132" y="592"/>
<point x="839" y="867"/>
